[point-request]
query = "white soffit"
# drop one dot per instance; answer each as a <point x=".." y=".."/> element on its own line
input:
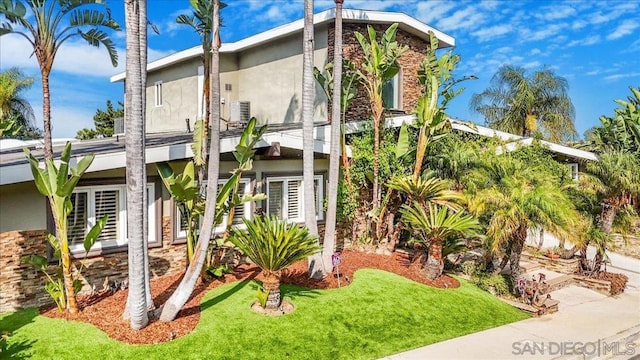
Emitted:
<point x="405" y="22"/>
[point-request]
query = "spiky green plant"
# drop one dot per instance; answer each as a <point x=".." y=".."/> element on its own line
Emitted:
<point x="273" y="245"/>
<point x="437" y="224"/>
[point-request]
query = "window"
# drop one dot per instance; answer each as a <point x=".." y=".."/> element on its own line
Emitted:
<point x="158" y="93"/>
<point x="285" y="197"/>
<point x="93" y="202"/>
<point x="391" y="93"/>
<point x="239" y="213"/>
<point x="573" y="170"/>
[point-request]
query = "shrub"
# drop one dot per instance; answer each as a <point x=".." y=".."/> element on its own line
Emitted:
<point x="495" y="284"/>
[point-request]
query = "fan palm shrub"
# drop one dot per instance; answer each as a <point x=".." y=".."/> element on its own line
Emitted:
<point x="273" y="245"/>
<point x="437" y="224"/>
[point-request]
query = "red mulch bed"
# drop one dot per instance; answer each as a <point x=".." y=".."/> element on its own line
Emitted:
<point x="105" y="310"/>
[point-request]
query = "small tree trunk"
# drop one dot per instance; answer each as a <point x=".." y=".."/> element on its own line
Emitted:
<point x="503" y="263"/>
<point x="72" y="305"/>
<point x="435" y="262"/>
<point x="376" y="163"/>
<point x="271" y="284"/>
<point x="516" y="250"/>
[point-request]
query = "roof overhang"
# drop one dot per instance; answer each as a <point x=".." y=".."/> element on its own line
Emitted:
<point x="405" y="22"/>
<point x="290" y="138"/>
<point x="556" y="148"/>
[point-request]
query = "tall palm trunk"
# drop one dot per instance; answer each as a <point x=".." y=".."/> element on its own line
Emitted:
<point x="135" y="165"/>
<point x="316" y="269"/>
<point x="328" y="245"/>
<point x="183" y="292"/>
<point x="46" y="115"/>
<point x="143" y="75"/>
<point x="271" y="285"/>
<point x="207" y="114"/>
<point x="435" y="263"/>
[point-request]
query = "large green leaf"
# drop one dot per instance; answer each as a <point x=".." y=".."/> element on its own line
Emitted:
<point x="402" y="147"/>
<point x="94" y="233"/>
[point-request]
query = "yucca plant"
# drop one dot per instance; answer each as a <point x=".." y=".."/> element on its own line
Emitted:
<point x="437" y="224"/>
<point x="273" y="245"/>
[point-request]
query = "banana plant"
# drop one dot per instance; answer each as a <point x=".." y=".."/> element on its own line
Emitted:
<point x="190" y="200"/>
<point x="57" y="184"/>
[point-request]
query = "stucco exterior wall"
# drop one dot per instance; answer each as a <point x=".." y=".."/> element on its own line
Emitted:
<point x="179" y="97"/>
<point x="22" y="208"/>
<point x="270" y="77"/>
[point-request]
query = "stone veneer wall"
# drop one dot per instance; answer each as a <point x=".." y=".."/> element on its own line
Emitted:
<point x="409" y="62"/>
<point x="22" y="286"/>
<point x="564" y="266"/>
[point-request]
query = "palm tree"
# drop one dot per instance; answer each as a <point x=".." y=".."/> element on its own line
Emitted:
<point x="316" y="268"/>
<point x="202" y="23"/>
<point x="329" y="242"/>
<point x="16" y="108"/>
<point x="273" y="245"/>
<point x="437" y="225"/>
<point x="514" y="203"/>
<point x="621" y="131"/>
<point x="379" y="65"/>
<point x="46" y="32"/>
<point x="136" y="310"/>
<point x="185" y="288"/>
<point x="615" y="178"/>
<point x="523" y="104"/>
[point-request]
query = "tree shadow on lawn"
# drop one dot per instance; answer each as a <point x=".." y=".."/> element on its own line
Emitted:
<point x="225" y="295"/>
<point x="9" y="325"/>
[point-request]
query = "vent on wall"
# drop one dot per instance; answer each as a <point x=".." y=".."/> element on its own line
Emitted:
<point x="118" y="126"/>
<point x="240" y="112"/>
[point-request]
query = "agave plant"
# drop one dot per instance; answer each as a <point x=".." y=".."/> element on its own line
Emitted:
<point x="273" y="245"/>
<point x="437" y="225"/>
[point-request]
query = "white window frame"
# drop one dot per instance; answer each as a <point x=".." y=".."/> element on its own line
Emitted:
<point x="285" y="187"/>
<point x="246" y="182"/>
<point x="573" y="171"/>
<point x="158" y="93"/>
<point x="122" y="215"/>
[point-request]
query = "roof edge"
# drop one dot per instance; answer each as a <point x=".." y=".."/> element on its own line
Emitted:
<point x="289" y="28"/>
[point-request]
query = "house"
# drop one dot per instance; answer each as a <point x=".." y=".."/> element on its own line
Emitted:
<point x="262" y="77"/>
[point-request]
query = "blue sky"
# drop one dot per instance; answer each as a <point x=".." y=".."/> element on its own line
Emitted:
<point x="595" y="45"/>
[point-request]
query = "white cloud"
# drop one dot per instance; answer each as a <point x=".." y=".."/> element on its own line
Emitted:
<point x="625" y="28"/>
<point x="621" y="76"/>
<point x="578" y="24"/>
<point x="555" y="12"/>
<point x="465" y="19"/>
<point x="73" y="57"/>
<point x="545" y="32"/>
<point x="531" y="64"/>
<point x="591" y="40"/>
<point x="431" y="11"/>
<point x="489" y="33"/>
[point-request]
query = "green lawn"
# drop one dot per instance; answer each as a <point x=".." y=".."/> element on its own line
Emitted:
<point x="379" y="314"/>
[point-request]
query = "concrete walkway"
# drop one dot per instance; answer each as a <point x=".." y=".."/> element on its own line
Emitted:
<point x="588" y="325"/>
